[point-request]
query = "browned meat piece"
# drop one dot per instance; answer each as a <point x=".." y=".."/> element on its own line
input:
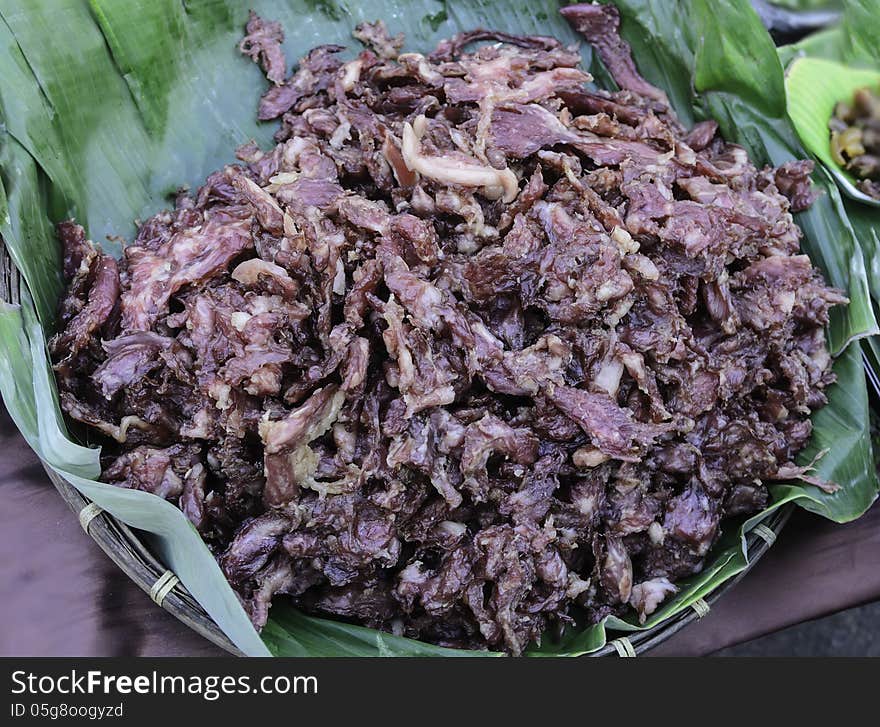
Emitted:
<point x="263" y="44"/>
<point x="793" y="181"/>
<point x="474" y="352"/>
<point x="92" y="295"/>
<point x="316" y="72"/>
<point x="612" y="429"/>
<point x="151" y="469"/>
<point x="692" y="518"/>
<point x="129" y="358"/>
<point x="449" y="49"/>
<point x="254" y="543"/>
<point x="376" y="36"/>
<point x="191" y="256"/>
<point x="599" y="24"/>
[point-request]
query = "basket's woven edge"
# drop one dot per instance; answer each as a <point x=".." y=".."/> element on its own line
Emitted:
<point x="701" y="608"/>
<point x="10" y="279"/>
<point x="765" y="533"/>
<point x="624" y="647"/>
<point x="89" y="513"/>
<point x="163" y="586"/>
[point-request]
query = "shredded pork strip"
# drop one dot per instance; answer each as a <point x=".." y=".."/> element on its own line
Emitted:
<point x="475" y="350"/>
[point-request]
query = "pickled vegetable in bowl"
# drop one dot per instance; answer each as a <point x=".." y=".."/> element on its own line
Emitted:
<point x="823" y="94"/>
<point x="855" y="138"/>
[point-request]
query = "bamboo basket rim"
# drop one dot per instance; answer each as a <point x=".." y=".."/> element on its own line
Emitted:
<point x="129" y="551"/>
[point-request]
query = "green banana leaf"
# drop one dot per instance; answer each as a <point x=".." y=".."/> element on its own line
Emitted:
<point x="854" y="39"/>
<point x="807" y="4"/>
<point x="848" y="53"/>
<point x="855" y="44"/>
<point x="107" y="107"/>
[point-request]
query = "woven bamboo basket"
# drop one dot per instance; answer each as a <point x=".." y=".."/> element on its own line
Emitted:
<point x="128" y="550"/>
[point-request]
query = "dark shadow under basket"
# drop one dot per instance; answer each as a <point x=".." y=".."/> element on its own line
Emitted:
<point x="126" y="548"/>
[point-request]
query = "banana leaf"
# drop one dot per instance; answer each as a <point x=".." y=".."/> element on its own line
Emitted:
<point x="107" y="107"/>
<point x="807" y="4"/>
<point x="820" y="70"/>
<point x="854" y="39"/>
